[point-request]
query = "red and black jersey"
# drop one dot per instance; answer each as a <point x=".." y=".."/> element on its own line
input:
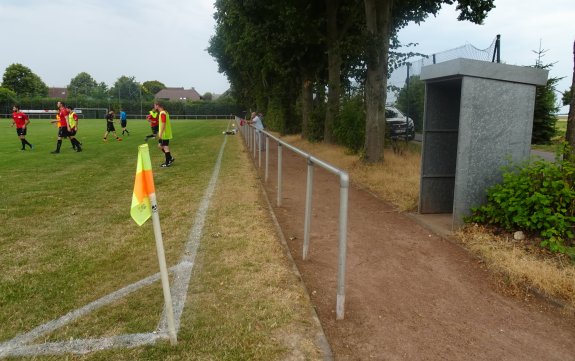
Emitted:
<point x="20" y="119"/>
<point x="63" y="117"/>
<point x="153" y="118"/>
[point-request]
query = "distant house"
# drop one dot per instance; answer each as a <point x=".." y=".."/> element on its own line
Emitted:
<point x="61" y="93"/>
<point x="178" y="94"/>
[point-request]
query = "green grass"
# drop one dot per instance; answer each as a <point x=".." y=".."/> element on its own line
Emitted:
<point x="68" y="239"/>
<point x="561" y="129"/>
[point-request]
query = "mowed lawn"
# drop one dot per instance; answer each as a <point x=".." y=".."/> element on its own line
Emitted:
<point x="67" y="239"/>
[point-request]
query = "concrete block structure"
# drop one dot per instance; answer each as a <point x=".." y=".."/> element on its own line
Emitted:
<point x="478" y="116"/>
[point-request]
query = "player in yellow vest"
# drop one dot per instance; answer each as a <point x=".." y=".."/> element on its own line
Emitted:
<point x="73" y="123"/>
<point x="164" y="134"/>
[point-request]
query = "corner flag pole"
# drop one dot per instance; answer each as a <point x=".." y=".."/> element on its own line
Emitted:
<point x="163" y="270"/>
<point x="144" y="206"/>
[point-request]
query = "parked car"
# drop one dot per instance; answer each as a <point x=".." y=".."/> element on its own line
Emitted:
<point x="399" y="125"/>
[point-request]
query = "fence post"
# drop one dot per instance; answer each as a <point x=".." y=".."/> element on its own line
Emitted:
<point x="279" y="192"/>
<point x="255" y="139"/>
<point x="308" y="201"/>
<point x="260" y="135"/>
<point x="343" y="203"/>
<point x="267" y="158"/>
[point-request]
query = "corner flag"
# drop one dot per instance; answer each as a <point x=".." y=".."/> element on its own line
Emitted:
<point x="141" y="208"/>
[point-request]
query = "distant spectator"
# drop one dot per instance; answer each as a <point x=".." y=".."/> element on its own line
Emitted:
<point x="256" y="121"/>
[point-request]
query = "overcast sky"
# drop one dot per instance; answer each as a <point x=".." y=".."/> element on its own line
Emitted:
<point x="167" y="40"/>
<point x="523" y="24"/>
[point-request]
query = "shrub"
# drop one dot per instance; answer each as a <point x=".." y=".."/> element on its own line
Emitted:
<point x="538" y="198"/>
<point x="349" y="129"/>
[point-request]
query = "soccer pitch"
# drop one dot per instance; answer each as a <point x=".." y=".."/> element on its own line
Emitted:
<point x="68" y="239"/>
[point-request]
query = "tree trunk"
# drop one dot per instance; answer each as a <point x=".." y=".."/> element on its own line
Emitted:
<point x="307" y="107"/>
<point x="570" y="135"/>
<point x="334" y="71"/>
<point x="378" y="21"/>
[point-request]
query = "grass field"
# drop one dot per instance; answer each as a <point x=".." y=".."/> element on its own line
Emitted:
<point x="68" y="239"/>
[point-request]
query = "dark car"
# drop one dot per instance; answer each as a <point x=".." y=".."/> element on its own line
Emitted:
<point x="399" y="125"/>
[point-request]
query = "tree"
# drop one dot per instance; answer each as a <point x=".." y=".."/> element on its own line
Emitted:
<point x="82" y="85"/>
<point x="269" y="51"/>
<point x="22" y="81"/>
<point x="7" y="99"/>
<point x="410" y="100"/>
<point x="126" y="88"/>
<point x="208" y="96"/>
<point x="383" y="20"/>
<point x="566" y="96"/>
<point x="570" y="136"/>
<point x="151" y="87"/>
<point x="544" y="118"/>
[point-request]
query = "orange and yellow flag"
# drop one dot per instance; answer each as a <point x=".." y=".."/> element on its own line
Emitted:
<point x="141" y="208"/>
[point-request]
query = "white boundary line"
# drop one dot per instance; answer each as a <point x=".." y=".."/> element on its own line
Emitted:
<point x="182" y="272"/>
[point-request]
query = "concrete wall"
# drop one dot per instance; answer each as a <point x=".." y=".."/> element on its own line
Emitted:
<point x="478" y="117"/>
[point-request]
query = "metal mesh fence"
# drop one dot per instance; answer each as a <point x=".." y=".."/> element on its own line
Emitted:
<point x="399" y="76"/>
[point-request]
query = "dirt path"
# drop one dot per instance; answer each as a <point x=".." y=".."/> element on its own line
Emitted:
<point x="410" y="295"/>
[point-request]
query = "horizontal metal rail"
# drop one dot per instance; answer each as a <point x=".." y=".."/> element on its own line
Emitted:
<point x="253" y="139"/>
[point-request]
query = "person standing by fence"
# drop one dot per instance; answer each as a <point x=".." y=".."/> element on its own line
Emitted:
<point x="21" y="121"/>
<point x="256" y="121"/>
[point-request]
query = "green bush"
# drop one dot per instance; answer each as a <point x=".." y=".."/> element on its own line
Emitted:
<point x="349" y="129"/>
<point x="538" y="198"/>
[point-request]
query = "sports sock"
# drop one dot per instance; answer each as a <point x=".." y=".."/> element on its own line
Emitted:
<point x="59" y="145"/>
<point x="168" y="157"/>
<point x="27" y="142"/>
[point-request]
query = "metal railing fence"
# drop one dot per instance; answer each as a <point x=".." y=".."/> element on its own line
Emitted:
<point x="254" y="139"/>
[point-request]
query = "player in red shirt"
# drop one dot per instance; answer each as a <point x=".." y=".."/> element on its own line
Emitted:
<point x="63" y="127"/>
<point x="21" y="121"/>
<point x="154" y="121"/>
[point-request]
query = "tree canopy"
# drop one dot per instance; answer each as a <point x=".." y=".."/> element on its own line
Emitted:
<point x="22" y="81"/>
<point x="126" y="88"/>
<point x="151" y="87"/>
<point x="281" y="55"/>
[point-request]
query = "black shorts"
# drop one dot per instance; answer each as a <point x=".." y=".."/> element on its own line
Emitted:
<point x="62" y="132"/>
<point x="21" y="131"/>
<point x="72" y="132"/>
<point x="155" y="129"/>
<point x="124" y="123"/>
<point x="164" y="142"/>
<point x="110" y="127"/>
